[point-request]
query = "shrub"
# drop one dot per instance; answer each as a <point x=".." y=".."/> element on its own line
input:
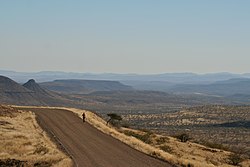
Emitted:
<point x="146" y="138"/>
<point x="125" y="125"/>
<point x="166" y="148"/>
<point x="42" y="164"/>
<point x="162" y="140"/>
<point x="183" y="137"/>
<point x="12" y="162"/>
<point x="188" y="165"/>
<point x="41" y="149"/>
<point x="235" y="159"/>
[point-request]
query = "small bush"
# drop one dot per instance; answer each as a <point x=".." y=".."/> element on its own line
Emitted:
<point x="125" y="125"/>
<point x="166" y="148"/>
<point x="145" y="130"/>
<point x="41" y="150"/>
<point x="42" y="164"/>
<point x="115" y="123"/>
<point x="12" y="162"/>
<point x="183" y="137"/>
<point x="162" y="140"/>
<point x="235" y="159"/>
<point x="188" y="165"/>
<point x="146" y="138"/>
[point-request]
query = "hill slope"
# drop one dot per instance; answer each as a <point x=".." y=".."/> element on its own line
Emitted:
<point x="28" y="94"/>
<point x="13" y="93"/>
<point x="45" y="96"/>
<point x="9" y="86"/>
<point x="191" y="78"/>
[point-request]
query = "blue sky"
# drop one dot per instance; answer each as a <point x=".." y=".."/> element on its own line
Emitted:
<point x="132" y="36"/>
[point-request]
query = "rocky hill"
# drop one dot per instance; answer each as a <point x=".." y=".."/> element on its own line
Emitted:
<point x="9" y="86"/>
<point x="13" y="93"/>
<point x="28" y="94"/>
<point x="33" y="86"/>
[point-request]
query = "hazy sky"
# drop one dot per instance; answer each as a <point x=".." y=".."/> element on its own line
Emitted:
<point x="129" y="36"/>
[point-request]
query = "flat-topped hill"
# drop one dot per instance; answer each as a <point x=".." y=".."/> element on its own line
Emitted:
<point x="75" y="86"/>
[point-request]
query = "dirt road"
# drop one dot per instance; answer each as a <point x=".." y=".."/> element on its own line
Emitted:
<point x="90" y="147"/>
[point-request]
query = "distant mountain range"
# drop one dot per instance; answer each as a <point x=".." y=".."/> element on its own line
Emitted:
<point x="215" y="84"/>
<point x="82" y="93"/>
<point x="223" y="88"/>
<point x="176" y="78"/>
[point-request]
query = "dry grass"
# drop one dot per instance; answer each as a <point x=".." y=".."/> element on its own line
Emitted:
<point x="225" y="125"/>
<point x="21" y="138"/>
<point x="166" y="148"/>
<point x="175" y="152"/>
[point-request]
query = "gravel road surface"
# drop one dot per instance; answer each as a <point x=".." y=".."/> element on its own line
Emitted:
<point x="88" y="146"/>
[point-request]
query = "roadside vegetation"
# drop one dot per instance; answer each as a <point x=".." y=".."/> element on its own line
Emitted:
<point x="172" y="149"/>
<point x="24" y="143"/>
<point x="176" y="150"/>
<point x="224" y="127"/>
<point x="114" y="119"/>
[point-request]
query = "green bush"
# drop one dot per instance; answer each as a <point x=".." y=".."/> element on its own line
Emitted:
<point x="183" y="137"/>
<point x="235" y="159"/>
